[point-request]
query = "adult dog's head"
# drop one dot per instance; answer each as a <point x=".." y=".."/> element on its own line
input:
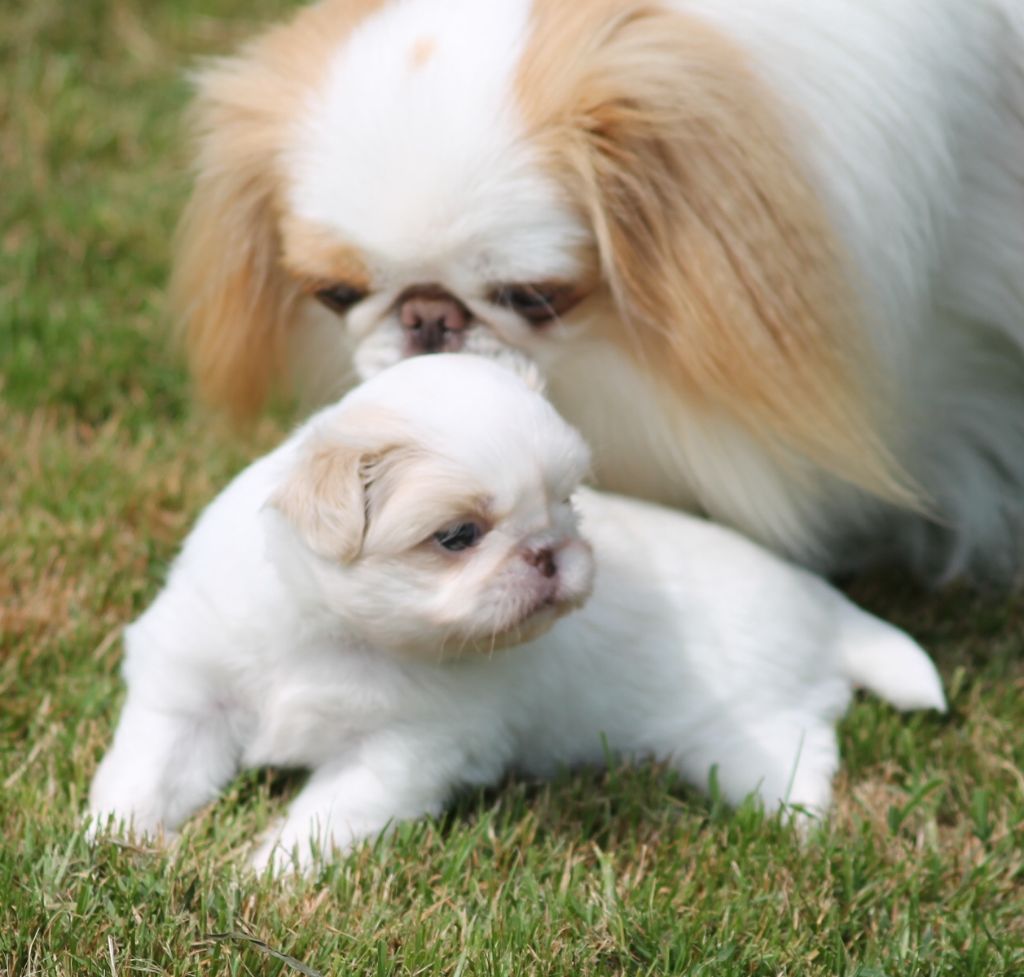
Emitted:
<point x="604" y="185"/>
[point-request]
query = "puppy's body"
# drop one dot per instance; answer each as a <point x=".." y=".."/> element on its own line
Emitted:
<point x="696" y="647"/>
<point x="782" y="242"/>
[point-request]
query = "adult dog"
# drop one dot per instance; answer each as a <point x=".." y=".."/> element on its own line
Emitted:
<point x="769" y="254"/>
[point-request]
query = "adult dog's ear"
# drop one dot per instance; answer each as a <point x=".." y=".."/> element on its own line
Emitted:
<point x="233" y="300"/>
<point x="714" y="244"/>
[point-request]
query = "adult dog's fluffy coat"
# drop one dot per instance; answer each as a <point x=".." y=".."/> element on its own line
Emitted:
<point x="769" y="253"/>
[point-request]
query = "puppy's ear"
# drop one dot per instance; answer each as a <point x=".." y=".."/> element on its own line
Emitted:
<point x="229" y="293"/>
<point x="346" y="470"/>
<point x="324" y="499"/>
<point x="714" y="246"/>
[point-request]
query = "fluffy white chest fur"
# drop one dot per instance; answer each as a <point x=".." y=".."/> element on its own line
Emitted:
<point x="421" y="653"/>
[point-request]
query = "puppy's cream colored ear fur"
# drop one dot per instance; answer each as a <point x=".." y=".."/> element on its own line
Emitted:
<point x="324" y="499"/>
<point x="715" y="248"/>
<point x="344" y="474"/>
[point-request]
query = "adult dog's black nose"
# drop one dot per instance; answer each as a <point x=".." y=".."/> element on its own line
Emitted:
<point x="434" y="320"/>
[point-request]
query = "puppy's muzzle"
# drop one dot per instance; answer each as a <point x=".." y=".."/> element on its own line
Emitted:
<point x="433" y="320"/>
<point x="543" y="559"/>
<point x="563" y="571"/>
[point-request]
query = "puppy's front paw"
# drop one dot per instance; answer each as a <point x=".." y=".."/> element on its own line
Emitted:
<point x="126" y="804"/>
<point x="99" y="825"/>
<point x="272" y="856"/>
<point x="283" y="854"/>
<point x="117" y="808"/>
<point x="300" y="847"/>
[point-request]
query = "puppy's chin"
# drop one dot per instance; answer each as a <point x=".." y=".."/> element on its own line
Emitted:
<point x="529" y="628"/>
<point x="537" y="623"/>
<point x="455" y="644"/>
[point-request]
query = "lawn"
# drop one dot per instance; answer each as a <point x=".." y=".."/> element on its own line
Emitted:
<point x="104" y="462"/>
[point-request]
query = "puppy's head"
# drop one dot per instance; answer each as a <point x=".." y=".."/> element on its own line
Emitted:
<point x="387" y="179"/>
<point x="434" y="509"/>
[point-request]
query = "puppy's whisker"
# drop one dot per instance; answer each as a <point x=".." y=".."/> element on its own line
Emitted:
<point x="443" y="643"/>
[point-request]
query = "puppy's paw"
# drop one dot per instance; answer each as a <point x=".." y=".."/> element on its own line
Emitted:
<point x="300" y="848"/>
<point x="804" y="819"/>
<point x="271" y="856"/>
<point x="99" y="826"/>
<point x="118" y="810"/>
<point x="808" y="796"/>
<point x="283" y="853"/>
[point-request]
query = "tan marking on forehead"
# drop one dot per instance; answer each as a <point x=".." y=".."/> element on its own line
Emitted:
<point x="421" y="52"/>
<point x="728" y="280"/>
<point x="318" y="257"/>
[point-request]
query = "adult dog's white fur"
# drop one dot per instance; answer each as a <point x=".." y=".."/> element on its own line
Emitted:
<point x="314" y="620"/>
<point x="785" y="240"/>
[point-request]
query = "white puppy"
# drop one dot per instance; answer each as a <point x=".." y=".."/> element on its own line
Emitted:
<point x="340" y="607"/>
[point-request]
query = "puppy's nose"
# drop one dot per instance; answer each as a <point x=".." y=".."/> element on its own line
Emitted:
<point x="544" y="560"/>
<point x="434" y="321"/>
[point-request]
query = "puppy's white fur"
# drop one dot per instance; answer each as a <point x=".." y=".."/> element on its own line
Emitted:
<point x="798" y="228"/>
<point x="312" y="621"/>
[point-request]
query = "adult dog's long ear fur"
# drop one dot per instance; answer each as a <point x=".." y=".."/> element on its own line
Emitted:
<point x="714" y="247"/>
<point x="233" y="300"/>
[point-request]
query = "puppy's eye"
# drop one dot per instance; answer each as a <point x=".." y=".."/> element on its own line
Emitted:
<point x="340" y="297"/>
<point x="459" y="537"/>
<point x="537" y="303"/>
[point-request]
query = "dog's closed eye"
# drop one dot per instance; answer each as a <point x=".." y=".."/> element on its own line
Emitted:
<point x="538" y="303"/>
<point x="340" y="297"/>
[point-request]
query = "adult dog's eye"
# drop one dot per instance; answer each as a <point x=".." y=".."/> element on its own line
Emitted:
<point x="459" y="537"/>
<point x="339" y="298"/>
<point x="536" y="303"/>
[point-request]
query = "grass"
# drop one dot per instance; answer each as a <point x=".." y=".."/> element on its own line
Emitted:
<point x="103" y="465"/>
